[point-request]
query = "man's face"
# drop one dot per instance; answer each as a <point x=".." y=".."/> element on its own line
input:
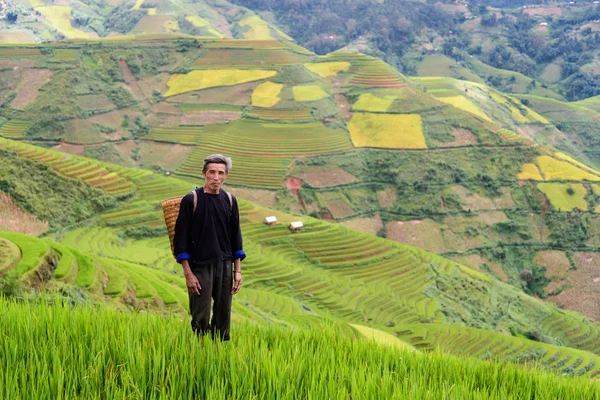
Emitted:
<point x="215" y="175"/>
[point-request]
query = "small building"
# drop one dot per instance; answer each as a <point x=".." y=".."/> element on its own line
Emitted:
<point x="296" y="226"/>
<point x="543" y="24"/>
<point x="272" y="220"/>
<point x="167" y="173"/>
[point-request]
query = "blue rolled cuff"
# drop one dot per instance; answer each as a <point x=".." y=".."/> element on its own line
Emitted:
<point x="183" y="256"/>
<point x="241" y="254"/>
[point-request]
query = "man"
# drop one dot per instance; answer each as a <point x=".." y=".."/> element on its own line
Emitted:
<point x="206" y="242"/>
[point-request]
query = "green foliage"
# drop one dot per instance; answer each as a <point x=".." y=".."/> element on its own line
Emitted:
<point x="144" y="232"/>
<point x="50" y="197"/>
<point x="158" y="365"/>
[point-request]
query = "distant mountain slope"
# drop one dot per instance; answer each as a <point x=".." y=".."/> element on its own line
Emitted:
<point x="43" y="20"/>
<point x="324" y="271"/>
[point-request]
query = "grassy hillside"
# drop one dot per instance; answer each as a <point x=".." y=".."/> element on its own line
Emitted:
<point x="327" y="362"/>
<point x="342" y="137"/>
<point x="325" y="271"/>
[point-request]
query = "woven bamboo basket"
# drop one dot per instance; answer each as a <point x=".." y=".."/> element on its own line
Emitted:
<point x="171" y="212"/>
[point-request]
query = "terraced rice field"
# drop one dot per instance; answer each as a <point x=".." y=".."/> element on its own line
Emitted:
<point x="203" y="79"/>
<point x="266" y="94"/>
<point x="553" y="169"/>
<point x="199" y="22"/>
<point x="248" y="170"/>
<point x="248" y="58"/>
<point x="476" y="343"/>
<point x="561" y="199"/>
<point x="14" y="129"/>
<point x="287" y="115"/>
<point x="327" y="69"/>
<point x="92" y="172"/>
<point x="465" y="104"/>
<point x="397" y="131"/>
<point x="369" y="102"/>
<point x="369" y="71"/>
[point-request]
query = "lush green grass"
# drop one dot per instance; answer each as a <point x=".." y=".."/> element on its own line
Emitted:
<point x="84" y="346"/>
<point x="561" y="198"/>
<point x="32" y="251"/>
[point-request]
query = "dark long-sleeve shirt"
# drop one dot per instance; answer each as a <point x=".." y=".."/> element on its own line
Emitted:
<point x="212" y="233"/>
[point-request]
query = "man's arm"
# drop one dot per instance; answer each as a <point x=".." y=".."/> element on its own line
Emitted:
<point x="182" y="240"/>
<point x="236" y="247"/>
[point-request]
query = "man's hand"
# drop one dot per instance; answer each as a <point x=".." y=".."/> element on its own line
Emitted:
<point x="237" y="282"/>
<point x="192" y="283"/>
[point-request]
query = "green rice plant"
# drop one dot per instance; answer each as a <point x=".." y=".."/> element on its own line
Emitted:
<point x="87" y="269"/>
<point x="149" y="356"/>
<point x="67" y="265"/>
<point x="32" y="251"/>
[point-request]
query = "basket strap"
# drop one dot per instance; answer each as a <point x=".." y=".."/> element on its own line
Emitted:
<point x="230" y="200"/>
<point x="195" y="201"/>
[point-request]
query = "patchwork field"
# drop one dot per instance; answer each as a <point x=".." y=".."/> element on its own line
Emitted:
<point x="565" y="196"/>
<point x="327" y="69"/>
<point x="369" y="102"/>
<point x="308" y="93"/>
<point x="266" y="94"/>
<point x="60" y="18"/>
<point x="202" y="79"/>
<point x="400" y="131"/>
<point x="465" y="104"/>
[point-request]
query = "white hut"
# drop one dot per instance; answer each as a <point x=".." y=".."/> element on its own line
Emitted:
<point x="296" y="226"/>
<point x="271" y="220"/>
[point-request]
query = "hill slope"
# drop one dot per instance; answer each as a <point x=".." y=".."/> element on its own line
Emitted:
<point x="342" y="137"/>
<point x="326" y="271"/>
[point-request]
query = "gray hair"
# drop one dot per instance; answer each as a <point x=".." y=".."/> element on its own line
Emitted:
<point x="217" y="159"/>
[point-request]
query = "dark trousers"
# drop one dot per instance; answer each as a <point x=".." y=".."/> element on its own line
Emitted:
<point x="215" y="282"/>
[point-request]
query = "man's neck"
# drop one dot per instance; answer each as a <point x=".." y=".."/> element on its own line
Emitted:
<point x="208" y="190"/>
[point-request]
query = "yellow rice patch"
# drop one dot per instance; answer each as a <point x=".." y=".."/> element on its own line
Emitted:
<point x="563" y="201"/>
<point x="138" y="4"/>
<point x="530" y="172"/>
<point x="152" y="11"/>
<point x="308" y="93"/>
<point x="381" y="337"/>
<point x="202" y="79"/>
<point x="553" y="169"/>
<point x="326" y="69"/>
<point x="36" y="3"/>
<point x="197" y="21"/>
<point x="369" y="102"/>
<point x="394" y="131"/>
<point x="577" y="163"/>
<point x="464" y="104"/>
<point x="60" y="18"/>
<point x="259" y="29"/>
<point x="266" y="94"/>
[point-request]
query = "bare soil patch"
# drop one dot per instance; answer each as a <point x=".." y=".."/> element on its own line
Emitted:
<point x="28" y="89"/>
<point x="76" y="149"/>
<point x="425" y="234"/>
<point x="167" y="156"/>
<point x="318" y="177"/>
<point x="582" y="289"/>
<point x="387" y="197"/>
<point x="493" y="217"/>
<point x="94" y="102"/>
<point x="472" y="201"/>
<point x="265" y="198"/>
<point x="556" y="262"/>
<point x="165" y="108"/>
<point x="126" y="147"/>
<point x="126" y="71"/>
<point x="16" y="37"/>
<point x="481" y="264"/>
<point x="238" y="95"/>
<point x="17" y="63"/>
<point x="210" y="117"/>
<point x="156" y="82"/>
<point x="114" y="119"/>
<point x="462" y="137"/>
<point x="13" y="218"/>
<point x="529" y="132"/>
<point x="338" y="207"/>
<point x="343" y="106"/>
<point x="543" y="11"/>
<point x="162" y="120"/>
<point x="367" y="225"/>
